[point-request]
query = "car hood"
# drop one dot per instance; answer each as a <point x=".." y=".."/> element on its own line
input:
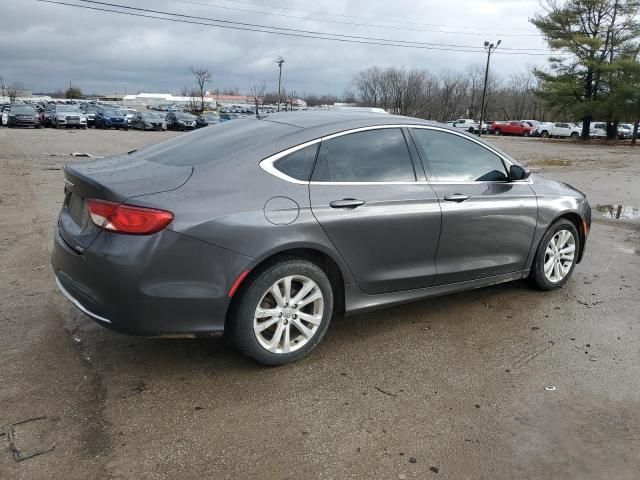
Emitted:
<point x="545" y="186"/>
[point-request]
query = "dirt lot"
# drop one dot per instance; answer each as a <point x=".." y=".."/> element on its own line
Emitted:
<point x="448" y="388"/>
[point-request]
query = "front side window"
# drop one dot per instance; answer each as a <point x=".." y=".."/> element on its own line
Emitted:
<point x="298" y="164"/>
<point x="379" y="155"/>
<point x="453" y="158"/>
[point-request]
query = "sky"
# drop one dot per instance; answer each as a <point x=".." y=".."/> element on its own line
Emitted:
<point x="45" y="46"/>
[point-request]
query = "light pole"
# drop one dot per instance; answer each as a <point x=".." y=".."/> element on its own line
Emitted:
<point x="490" y="48"/>
<point x="279" y="61"/>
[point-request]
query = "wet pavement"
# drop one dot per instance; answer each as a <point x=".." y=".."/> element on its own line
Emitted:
<point x="452" y="387"/>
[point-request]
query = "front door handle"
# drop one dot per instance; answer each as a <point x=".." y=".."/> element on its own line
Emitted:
<point x="456" y="197"/>
<point x="347" y="203"/>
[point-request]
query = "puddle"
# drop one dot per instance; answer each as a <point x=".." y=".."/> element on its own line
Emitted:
<point x="625" y="212"/>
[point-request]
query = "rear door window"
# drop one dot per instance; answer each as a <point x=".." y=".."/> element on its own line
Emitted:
<point x="379" y="155"/>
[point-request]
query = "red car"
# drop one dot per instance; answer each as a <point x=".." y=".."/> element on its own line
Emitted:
<point x="511" y="128"/>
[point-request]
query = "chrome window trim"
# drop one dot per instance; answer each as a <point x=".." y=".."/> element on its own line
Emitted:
<point x="267" y="164"/>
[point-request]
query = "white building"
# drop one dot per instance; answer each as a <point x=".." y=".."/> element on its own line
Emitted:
<point x="162" y="98"/>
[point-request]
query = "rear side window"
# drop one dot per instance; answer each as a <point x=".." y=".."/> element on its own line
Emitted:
<point x="298" y="164"/>
<point x="378" y="155"/>
<point x="453" y="158"/>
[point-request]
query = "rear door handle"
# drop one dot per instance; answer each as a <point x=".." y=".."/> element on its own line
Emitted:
<point x="347" y="203"/>
<point x="456" y="197"/>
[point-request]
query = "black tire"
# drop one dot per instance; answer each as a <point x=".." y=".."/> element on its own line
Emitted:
<point x="544" y="134"/>
<point x="575" y="135"/>
<point x="239" y="328"/>
<point x="526" y="134"/>
<point x="536" y="275"/>
<point x="497" y="132"/>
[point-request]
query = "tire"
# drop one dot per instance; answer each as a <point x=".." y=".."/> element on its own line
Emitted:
<point x="544" y="253"/>
<point x="544" y="134"/>
<point x="575" y="136"/>
<point x="526" y="134"/>
<point x="256" y="292"/>
<point x="498" y="132"/>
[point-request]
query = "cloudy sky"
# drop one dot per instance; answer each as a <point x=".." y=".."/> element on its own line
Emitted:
<point x="44" y="46"/>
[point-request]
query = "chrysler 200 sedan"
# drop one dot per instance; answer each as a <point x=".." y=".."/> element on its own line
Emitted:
<point x="265" y="228"/>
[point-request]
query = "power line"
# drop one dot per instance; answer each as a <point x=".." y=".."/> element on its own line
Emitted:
<point x="226" y="24"/>
<point x="256" y="4"/>
<point x="294" y="30"/>
<point x="390" y="27"/>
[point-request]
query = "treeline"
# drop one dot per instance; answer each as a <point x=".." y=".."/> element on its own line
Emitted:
<point x="448" y="95"/>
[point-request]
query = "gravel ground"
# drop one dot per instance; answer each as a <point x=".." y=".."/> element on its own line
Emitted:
<point x="448" y="388"/>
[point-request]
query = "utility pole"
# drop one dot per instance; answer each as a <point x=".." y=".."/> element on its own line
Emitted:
<point x="2" y="84"/>
<point x="279" y="61"/>
<point x="490" y="48"/>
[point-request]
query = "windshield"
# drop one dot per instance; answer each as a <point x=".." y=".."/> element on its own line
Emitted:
<point x="150" y="116"/>
<point x="111" y="111"/>
<point x="68" y="108"/>
<point x="23" y="109"/>
<point x="183" y="116"/>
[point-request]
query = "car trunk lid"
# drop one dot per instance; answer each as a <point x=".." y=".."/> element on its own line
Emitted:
<point x="115" y="179"/>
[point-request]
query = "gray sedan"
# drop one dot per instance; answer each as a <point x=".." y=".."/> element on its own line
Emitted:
<point x="265" y="228"/>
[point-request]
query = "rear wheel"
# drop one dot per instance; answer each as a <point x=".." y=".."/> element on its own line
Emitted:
<point x="575" y="135"/>
<point x="544" y="134"/>
<point x="556" y="256"/>
<point x="498" y="132"/>
<point x="525" y="134"/>
<point x="282" y="313"/>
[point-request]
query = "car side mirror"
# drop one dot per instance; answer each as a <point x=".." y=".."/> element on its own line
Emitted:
<point x="518" y="172"/>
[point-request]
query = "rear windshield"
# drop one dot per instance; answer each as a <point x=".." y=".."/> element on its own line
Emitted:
<point x="210" y="144"/>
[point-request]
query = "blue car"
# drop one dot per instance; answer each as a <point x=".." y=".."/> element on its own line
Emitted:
<point x="110" y="117"/>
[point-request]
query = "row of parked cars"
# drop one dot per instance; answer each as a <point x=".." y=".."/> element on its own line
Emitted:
<point x="535" y="128"/>
<point x="101" y="117"/>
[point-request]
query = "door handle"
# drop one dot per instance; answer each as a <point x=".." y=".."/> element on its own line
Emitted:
<point x="456" y="197"/>
<point x="347" y="203"/>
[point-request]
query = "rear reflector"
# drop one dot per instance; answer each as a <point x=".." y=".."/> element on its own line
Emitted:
<point x="121" y="218"/>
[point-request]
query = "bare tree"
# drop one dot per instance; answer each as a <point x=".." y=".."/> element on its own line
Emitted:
<point x="13" y="90"/>
<point x="202" y="77"/>
<point x="258" y="91"/>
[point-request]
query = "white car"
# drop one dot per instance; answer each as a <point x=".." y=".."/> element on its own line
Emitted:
<point x="465" y="124"/>
<point x="559" y="129"/>
<point x="5" y="116"/>
<point x="129" y="113"/>
<point x="598" y="130"/>
<point x="625" y="131"/>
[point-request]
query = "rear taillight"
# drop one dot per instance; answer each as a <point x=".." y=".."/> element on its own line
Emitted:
<point x="121" y="218"/>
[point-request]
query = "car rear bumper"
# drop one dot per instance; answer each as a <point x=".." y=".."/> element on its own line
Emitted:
<point x="166" y="284"/>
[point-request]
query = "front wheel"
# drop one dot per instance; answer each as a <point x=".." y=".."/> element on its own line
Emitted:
<point x="282" y="312"/>
<point x="556" y="256"/>
<point x="575" y="136"/>
<point x="544" y="134"/>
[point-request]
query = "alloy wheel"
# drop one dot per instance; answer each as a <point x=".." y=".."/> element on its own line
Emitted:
<point x="288" y="314"/>
<point x="559" y="256"/>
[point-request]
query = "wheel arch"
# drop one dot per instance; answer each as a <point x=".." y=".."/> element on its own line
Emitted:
<point x="334" y="268"/>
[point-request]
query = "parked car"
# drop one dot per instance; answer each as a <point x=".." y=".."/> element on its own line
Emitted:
<point x="180" y="121"/>
<point x="149" y="121"/>
<point x="625" y="131"/>
<point x="466" y="124"/>
<point x="4" y="118"/>
<point x="511" y="128"/>
<point x="239" y="229"/>
<point x="560" y="130"/>
<point x="129" y="113"/>
<point x="90" y="112"/>
<point x="598" y="130"/>
<point x="23" y="116"/>
<point x="67" y="116"/>
<point x="207" y="118"/>
<point x="110" y="117"/>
